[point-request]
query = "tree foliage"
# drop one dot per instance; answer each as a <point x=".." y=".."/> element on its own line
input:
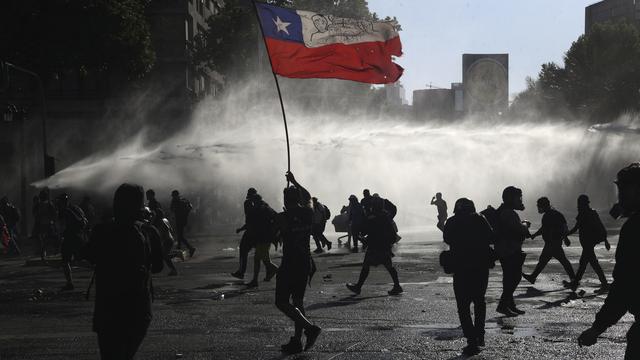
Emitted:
<point x="56" y="35"/>
<point x="599" y="81"/>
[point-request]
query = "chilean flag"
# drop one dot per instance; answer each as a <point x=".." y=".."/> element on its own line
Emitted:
<point x="303" y="44"/>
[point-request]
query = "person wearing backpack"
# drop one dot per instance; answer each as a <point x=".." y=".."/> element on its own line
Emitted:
<point x="381" y="236"/>
<point x="469" y="236"/>
<point x="125" y="255"/>
<point x="74" y="225"/>
<point x="321" y="214"/>
<point x="181" y="208"/>
<point x="263" y="230"/>
<point x="591" y="232"/>
<point x="510" y="233"/>
<point x="554" y="231"/>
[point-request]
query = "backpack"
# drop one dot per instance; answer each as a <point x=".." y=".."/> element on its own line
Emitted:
<point x="493" y="217"/>
<point x="327" y="212"/>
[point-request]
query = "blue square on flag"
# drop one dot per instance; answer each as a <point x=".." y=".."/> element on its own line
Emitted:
<point x="280" y="23"/>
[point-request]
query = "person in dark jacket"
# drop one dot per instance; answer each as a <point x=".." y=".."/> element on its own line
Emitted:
<point x="247" y="241"/>
<point x="554" y="231"/>
<point x="381" y="236"/>
<point x="356" y="221"/>
<point x="263" y="230"/>
<point x="74" y="225"/>
<point x="11" y="217"/>
<point x="591" y="232"/>
<point x="510" y="234"/>
<point x="124" y="256"/>
<point x="320" y="217"/>
<point x="181" y="208"/>
<point x="623" y="293"/>
<point x="296" y="268"/>
<point x="469" y="236"/>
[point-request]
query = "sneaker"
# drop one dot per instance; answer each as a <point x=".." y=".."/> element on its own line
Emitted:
<point x="318" y="251"/>
<point x="67" y="287"/>
<point x="329" y="245"/>
<point x="192" y="251"/>
<point x="529" y="278"/>
<point x="237" y="275"/>
<point x="397" y="290"/>
<point x="471" y="349"/>
<point x="252" y="284"/>
<point x="173" y="272"/>
<point x="294" y="346"/>
<point x="354" y="288"/>
<point x="312" y="335"/>
<point x="505" y="311"/>
<point x="271" y="274"/>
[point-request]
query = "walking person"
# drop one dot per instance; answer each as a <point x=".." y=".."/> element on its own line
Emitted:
<point x="296" y="268"/>
<point x="623" y="295"/>
<point x="320" y="216"/>
<point x="380" y="238"/>
<point x="591" y="232"/>
<point x="124" y="256"/>
<point x="74" y="224"/>
<point x="510" y="234"/>
<point x="247" y="241"/>
<point x="554" y="231"/>
<point x="264" y="232"/>
<point x="469" y="236"/>
<point x="181" y="207"/>
<point x="356" y="221"/>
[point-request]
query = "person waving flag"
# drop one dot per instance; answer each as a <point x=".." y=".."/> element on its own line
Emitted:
<point x="304" y="44"/>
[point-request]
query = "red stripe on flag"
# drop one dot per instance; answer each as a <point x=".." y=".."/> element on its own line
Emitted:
<point x="368" y="62"/>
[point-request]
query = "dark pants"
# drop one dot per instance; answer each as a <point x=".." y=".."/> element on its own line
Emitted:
<point x="511" y="276"/>
<point x="589" y="257"/>
<point x="318" y="236"/>
<point x="246" y="244"/>
<point x="291" y="284"/>
<point x="366" y="265"/>
<point x="355" y="234"/>
<point x="633" y="342"/>
<point x="553" y="252"/>
<point x="470" y="287"/>
<point x="118" y="345"/>
<point x="180" y="227"/>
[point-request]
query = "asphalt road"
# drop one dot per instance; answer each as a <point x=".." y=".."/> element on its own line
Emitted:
<point x="205" y="314"/>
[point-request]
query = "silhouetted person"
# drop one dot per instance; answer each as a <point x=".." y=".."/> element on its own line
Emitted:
<point x="591" y="232"/>
<point x="554" y="231"/>
<point x="45" y="219"/>
<point x="296" y="268"/>
<point x="510" y="234"/>
<point x="623" y="293"/>
<point x="165" y="232"/>
<point x="11" y="217"/>
<point x="320" y="216"/>
<point x="181" y="208"/>
<point x="89" y="211"/>
<point x="441" y="205"/>
<point x="74" y="224"/>
<point x="381" y="236"/>
<point x="469" y="236"/>
<point x="366" y="201"/>
<point x="153" y="204"/>
<point x="356" y="221"/>
<point x="263" y="229"/>
<point x="247" y="242"/>
<point x="124" y="256"/>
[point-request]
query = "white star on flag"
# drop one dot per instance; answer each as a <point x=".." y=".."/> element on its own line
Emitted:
<point x="281" y="25"/>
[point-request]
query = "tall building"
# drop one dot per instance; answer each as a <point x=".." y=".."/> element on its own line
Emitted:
<point x="612" y="11"/>
<point x="395" y="94"/>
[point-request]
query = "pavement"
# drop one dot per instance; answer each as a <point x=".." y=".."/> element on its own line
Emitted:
<point x="203" y="313"/>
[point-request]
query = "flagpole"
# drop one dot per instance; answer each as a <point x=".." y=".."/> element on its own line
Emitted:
<point x="275" y="78"/>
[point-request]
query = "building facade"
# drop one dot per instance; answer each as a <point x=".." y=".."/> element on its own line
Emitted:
<point x="612" y="11"/>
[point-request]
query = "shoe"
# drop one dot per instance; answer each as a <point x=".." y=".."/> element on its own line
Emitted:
<point x="515" y="310"/>
<point x="192" y="251"/>
<point x="602" y="289"/>
<point x="529" y="278"/>
<point x="397" y="290"/>
<point x="329" y="245"/>
<point x="471" y="349"/>
<point x="318" y="251"/>
<point x="67" y="287"/>
<point x="294" y="346"/>
<point x="252" y="284"/>
<point x="312" y="335"/>
<point x="238" y="275"/>
<point x="480" y="340"/>
<point x="173" y="272"/>
<point x="354" y="288"/>
<point x="271" y="274"/>
<point x="505" y="311"/>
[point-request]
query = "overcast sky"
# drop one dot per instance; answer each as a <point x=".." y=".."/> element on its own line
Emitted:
<point x="436" y="34"/>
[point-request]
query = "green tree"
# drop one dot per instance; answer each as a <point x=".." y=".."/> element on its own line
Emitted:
<point x="79" y="35"/>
